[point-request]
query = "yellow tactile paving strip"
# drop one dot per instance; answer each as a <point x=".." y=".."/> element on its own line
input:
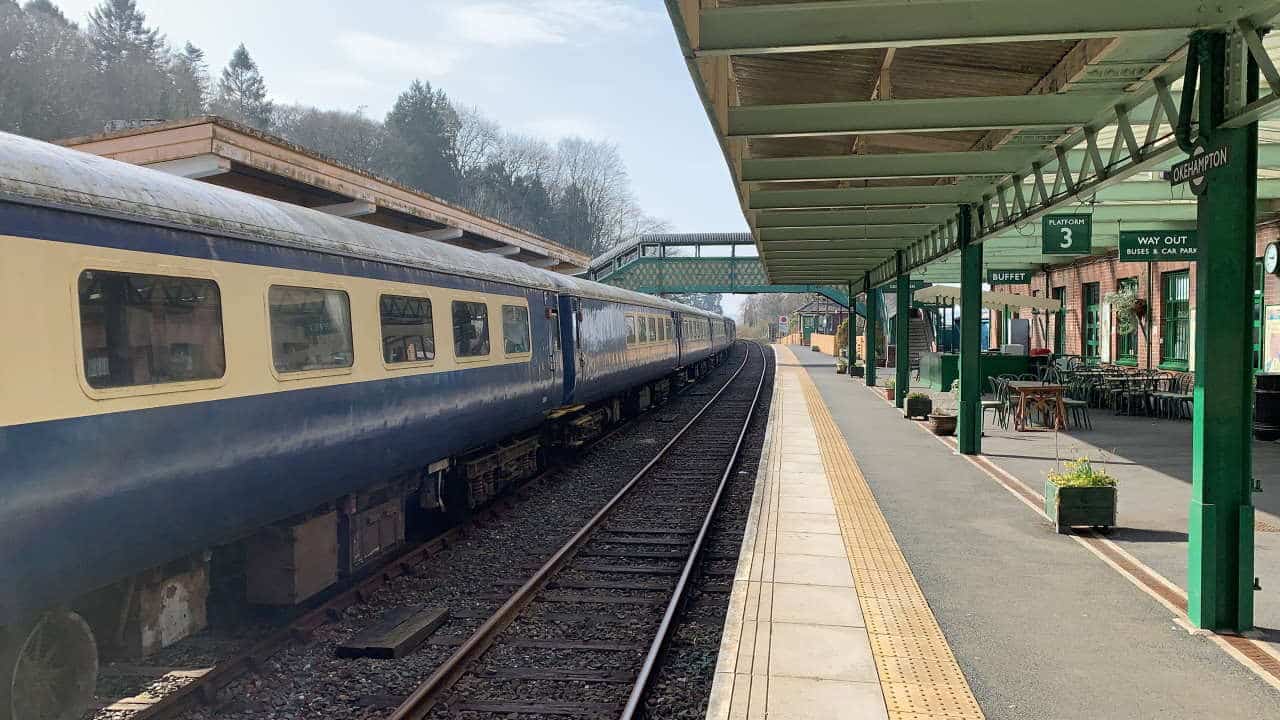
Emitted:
<point x="918" y="672"/>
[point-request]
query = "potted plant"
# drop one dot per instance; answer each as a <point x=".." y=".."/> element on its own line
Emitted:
<point x="918" y="405"/>
<point x="856" y="371"/>
<point x="842" y="366"/>
<point x="815" y="348"/>
<point x="889" y="386"/>
<point x="942" y="421"/>
<point x="1082" y="495"/>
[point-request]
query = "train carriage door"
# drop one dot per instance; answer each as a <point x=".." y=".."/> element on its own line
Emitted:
<point x="569" y="346"/>
<point x="553" y="332"/>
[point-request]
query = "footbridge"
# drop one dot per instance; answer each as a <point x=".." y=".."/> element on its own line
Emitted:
<point x="698" y="263"/>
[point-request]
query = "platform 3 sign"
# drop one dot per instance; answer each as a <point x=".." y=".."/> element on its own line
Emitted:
<point x="1159" y="245"/>
<point x="1066" y="234"/>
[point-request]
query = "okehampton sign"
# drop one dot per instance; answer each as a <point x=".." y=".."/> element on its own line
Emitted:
<point x="1159" y="245"/>
<point x="1066" y="234"/>
<point x="1195" y="169"/>
<point x="1008" y="277"/>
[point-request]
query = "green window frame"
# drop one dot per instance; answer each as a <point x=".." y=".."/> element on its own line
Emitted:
<point x="1175" y="319"/>
<point x="1091" y="322"/>
<point x="1127" y="343"/>
<point x="1060" y="321"/>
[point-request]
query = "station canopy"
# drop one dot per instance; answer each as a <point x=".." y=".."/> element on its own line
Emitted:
<point x="854" y="129"/>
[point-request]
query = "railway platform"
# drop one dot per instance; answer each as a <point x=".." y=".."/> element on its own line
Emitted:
<point x="825" y="619"/>
<point x="885" y="575"/>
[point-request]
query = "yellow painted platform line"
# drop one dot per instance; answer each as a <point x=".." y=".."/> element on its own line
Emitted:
<point x="918" y="672"/>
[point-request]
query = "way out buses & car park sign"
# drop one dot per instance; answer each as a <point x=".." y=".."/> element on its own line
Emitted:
<point x="1159" y="245"/>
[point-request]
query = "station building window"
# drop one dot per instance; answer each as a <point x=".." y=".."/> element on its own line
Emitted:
<point x="310" y="328"/>
<point x="407" y="333"/>
<point x="515" y="329"/>
<point x="1127" y="343"/>
<point x="1175" y="319"/>
<point x="139" y="329"/>
<point x="470" y="329"/>
<point x="1091" y="322"/>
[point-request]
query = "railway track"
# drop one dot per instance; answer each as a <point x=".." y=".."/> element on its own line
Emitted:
<point x="194" y="689"/>
<point x="581" y="637"/>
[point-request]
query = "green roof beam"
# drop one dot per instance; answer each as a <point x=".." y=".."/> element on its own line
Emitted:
<point x="873" y="167"/>
<point x="927" y="217"/>
<point x="1140" y="191"/>
<point x="848" y="232"/>
<point x="855" y="24"/>
<point x="926" y="165"/>
<point x="1048" y="112"/>
<point x="949" y="195"/>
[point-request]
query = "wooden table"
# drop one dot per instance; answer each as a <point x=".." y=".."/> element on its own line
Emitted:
<point x="1040" y="396"/>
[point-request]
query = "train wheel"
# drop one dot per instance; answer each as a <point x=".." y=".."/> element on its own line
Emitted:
<point x="48" y="670"/>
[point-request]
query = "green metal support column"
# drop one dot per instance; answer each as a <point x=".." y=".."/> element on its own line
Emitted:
<point x="853" y="328"/>
<point x="1220" y="551"/>
<point x="969" y="423"/>
<point x="873" y="322"/>
<point x="902" y="337"/>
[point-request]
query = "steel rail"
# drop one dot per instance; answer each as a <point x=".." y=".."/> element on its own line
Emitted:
<point x="423" y="698"/>
<point x="677" y="598"/>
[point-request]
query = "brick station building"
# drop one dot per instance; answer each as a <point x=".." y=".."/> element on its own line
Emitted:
<point x="1087" y="325"/>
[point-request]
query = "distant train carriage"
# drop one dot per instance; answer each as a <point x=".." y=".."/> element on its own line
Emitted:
<point x="188" y="364"/>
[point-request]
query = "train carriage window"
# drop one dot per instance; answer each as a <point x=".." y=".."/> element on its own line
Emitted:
<point x="470" y="329"/>
<point x="310" y="328"/>
<point x="515" y="329"/>
<point x="631" y="330"/>
<point x="652" y="322"/>
<point x="642" y="330"/>
<point x="670" y="331"/>
<point x="141" y="329"/>
<point x="407" y="333"/>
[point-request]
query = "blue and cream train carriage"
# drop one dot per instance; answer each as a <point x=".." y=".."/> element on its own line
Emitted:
<point x="184" y="364"/>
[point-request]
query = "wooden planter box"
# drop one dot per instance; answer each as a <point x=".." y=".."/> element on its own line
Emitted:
<point x="918" y="407"/>
<point x="942" y="424"/>
<point x="1080" y="506"/>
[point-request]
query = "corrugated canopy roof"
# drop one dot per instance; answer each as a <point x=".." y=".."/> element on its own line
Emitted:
<point x="854" y="129"/>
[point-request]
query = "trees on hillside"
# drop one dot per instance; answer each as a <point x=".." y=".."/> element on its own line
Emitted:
<point x="242" y="93"/>
<point x="425" y="126"/>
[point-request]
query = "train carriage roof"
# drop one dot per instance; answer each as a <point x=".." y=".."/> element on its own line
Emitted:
<point x="38" y="173"/>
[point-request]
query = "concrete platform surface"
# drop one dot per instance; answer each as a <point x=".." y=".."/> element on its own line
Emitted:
<point x="825" y="621"/>
<point x="1041" y="627"/>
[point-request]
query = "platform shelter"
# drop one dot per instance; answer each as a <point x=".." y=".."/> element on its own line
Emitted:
<point x="874" y="143"/>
